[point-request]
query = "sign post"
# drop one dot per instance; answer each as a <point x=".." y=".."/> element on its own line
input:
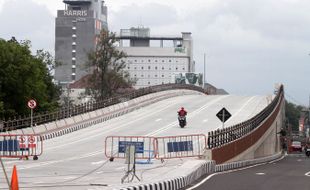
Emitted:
<point x="31" y="104"/>
<point x="223" y="115"/>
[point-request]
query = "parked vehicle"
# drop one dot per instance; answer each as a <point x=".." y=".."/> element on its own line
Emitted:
<point x="296" y="146"/>
<point x="308" y="152"/>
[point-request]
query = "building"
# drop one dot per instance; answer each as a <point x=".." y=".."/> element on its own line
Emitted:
<point x="75" y="36"/>
<point x="153" y="60"/>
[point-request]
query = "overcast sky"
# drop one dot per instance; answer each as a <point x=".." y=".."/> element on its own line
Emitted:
<point x="250" y="44"/>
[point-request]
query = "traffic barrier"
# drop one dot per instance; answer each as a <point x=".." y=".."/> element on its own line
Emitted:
<point x="180" y="146"/>
<point x="19" y="146"/>
<point x="115" y="146"/>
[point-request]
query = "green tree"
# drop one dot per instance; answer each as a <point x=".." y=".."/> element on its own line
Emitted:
<point x="24" y="76"/>
<point x="293" y="113"/>
<point x="108" y="67"/>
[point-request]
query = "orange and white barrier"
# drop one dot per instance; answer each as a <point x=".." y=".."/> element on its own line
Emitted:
<point x="19" y="146"/>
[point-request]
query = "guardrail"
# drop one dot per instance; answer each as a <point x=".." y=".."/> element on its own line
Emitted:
<point x="223" y="136"/>
<point x="22" y="122"/>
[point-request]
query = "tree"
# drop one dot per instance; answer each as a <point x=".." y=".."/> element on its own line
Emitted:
<point x="108" y="68"/>
<point x="293" y="113"/>
<point x="24" y="76"/>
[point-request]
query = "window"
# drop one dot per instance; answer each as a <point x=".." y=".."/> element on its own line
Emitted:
<point x="156" y="68"/>
<point x="155" y="75"/>
<point x="142" y="68"/>
<point x="149" y="83"/>
<point x="135" y="68"/>
<point x="149" y="67"/>
<point x="183" y="68"/>
<point x="156" y="61"/>
<point x="163" y="61"/>
<point x="176" y="68"/>
<point x="149" y="60"/>
<point x="163" y="68"/>
<point x="128" y="67"/>
<point x="162" y="75"/>
<point x="169" y="60"/>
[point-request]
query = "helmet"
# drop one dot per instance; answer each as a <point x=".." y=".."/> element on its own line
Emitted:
<point x="182" y="108"/>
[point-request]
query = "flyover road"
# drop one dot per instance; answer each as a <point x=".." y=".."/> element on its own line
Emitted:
<point x="292" y="172"/>
<point x="77" y="160"/>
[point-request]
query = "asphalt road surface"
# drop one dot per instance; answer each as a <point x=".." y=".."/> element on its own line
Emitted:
<point x="77" y="160"/>
<point x="290" y="173"/>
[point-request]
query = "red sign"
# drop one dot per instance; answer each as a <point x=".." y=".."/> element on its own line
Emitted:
<point x="32" y="104"/>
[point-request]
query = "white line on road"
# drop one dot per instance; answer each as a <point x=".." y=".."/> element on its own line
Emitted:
<point x="159" y="119"/>
<point x="307" y="174"/>
<point x="189" y="116"/>
<point x="97" y="163"/>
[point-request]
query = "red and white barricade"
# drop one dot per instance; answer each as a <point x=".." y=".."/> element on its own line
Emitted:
<point x="19" y="146"/>
<point x="115" y="146"/>
<point x="180" y="146"/>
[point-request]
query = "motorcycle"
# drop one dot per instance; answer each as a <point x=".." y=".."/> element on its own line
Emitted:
<point x="308" y="152"/>
<point x="182" y="121"/>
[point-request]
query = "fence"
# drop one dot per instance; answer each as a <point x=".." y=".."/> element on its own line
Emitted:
<point x="18" y="146"/>
<point x="115" y="146"/>
<point x="157" y="147"/>
<point x="22" y="122"/>
<point x="180" y="146"/>
<point x="223" y="136"/>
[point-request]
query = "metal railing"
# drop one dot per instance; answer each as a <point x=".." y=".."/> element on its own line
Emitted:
<point x="223" y="136"/>
<point x="65" y="112"/>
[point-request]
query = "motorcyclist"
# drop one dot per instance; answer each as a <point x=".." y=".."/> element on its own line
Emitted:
<point x="182" y="113"/>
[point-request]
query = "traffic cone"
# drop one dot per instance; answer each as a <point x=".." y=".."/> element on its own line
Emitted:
<point x="14" y="180"/>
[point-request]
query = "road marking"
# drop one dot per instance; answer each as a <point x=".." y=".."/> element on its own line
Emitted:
<point x="307" y="174"/>
<point x="165" y="128"/>
<point x="96" y="163"/>
<point x="260" y="174"/>
<point x="112" y="129"/>
<point x="34" y="165"/>
<point x="230" y="171"/>
<point x="158" y="119"/>
<point x="205" y="120"/>
<point x="120" y="168"/>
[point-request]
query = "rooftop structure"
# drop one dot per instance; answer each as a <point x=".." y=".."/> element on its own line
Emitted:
<point x="154" y="60"/>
